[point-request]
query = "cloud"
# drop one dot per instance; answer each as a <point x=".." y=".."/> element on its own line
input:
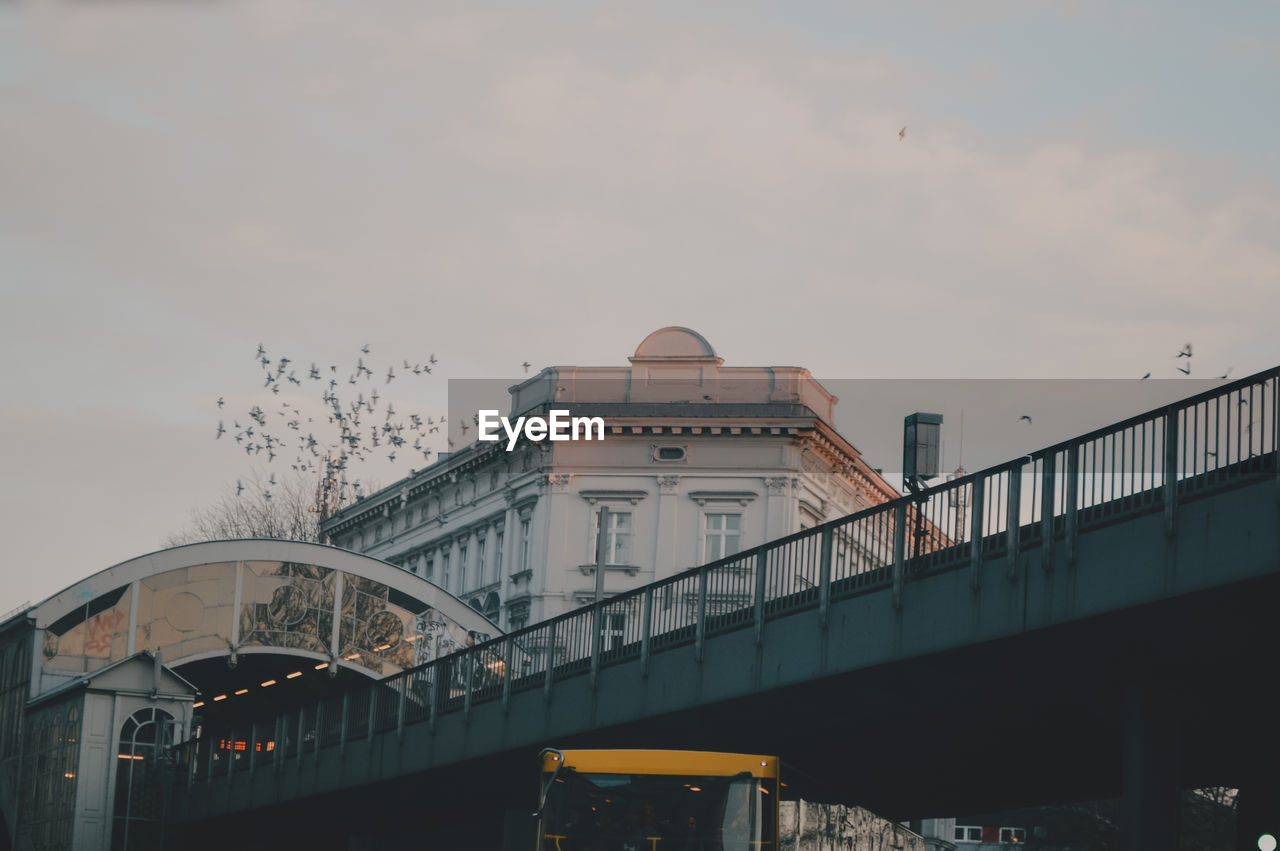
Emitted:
<point x="500" y="184"/>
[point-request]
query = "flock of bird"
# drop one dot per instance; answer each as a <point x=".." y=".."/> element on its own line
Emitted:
<point x="357" y="428"/>
<point x="1185" y="367"/>
<point x="1182" y="366"/>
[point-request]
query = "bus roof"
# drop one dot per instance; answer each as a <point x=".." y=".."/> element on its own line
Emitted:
<point x="699" y="763"/>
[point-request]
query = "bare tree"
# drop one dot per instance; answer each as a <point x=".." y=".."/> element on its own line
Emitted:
<point x="277" y="506"/>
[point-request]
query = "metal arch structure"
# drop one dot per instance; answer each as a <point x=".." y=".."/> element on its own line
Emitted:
<point x="248" y="596"/>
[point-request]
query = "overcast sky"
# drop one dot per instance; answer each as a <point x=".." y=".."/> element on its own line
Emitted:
<point x="1082" y="189"/>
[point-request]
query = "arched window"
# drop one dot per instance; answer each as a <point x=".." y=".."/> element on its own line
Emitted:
<point x="141" y="766"/>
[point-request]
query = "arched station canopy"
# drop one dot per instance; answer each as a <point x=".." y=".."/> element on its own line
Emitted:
<point x="234" y="599"/>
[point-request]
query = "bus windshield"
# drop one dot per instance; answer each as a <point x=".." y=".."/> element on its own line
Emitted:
<point x="658" y="812"/>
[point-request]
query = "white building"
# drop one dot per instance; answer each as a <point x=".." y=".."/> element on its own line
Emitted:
<point x="699" y="461"/>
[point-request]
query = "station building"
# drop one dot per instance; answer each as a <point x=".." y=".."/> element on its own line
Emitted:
<point x="98" y="681"/>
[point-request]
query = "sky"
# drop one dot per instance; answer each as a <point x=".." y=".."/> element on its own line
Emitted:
<point x="1082" y="189"/>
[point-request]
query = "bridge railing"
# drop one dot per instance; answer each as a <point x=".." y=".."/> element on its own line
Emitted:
<point x="1143" y="464"/>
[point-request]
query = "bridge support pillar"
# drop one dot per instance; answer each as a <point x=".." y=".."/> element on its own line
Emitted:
<point x="1150" y="769"/>
<point x="1257" y="813"/>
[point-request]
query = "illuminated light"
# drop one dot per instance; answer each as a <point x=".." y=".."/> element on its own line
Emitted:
<point x="242" y="691"/>
<point x="220" y="697"/>
<point x="351" y="656"/>
<point x="322" y="666"/>
<point x="1266" y="842"/>
<point x="381" y="647"/>
<point x="268" y="683"/>
<point x="695" y="788"/>
<point x="129" y="756"/>
<point x="69" y="775"/>
<point x="413" y="638"/>
<point x="197" y="704"/>
<point x="766" y="791"/>
<point x="294" y="674"/>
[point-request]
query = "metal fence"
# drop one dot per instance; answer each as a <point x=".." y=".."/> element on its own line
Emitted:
<point x="1221" y="438"/>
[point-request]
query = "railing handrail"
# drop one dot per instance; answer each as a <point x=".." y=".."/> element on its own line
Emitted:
<point x="758" y="555"/>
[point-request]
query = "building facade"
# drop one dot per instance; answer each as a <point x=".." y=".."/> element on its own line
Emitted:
<point x="699" y="461"/>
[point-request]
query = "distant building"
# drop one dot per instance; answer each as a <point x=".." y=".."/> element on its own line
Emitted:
<point x="699" y="461"/>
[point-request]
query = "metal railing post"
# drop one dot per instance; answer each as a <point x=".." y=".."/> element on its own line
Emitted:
<point x="508" y="659"/>
<point x="551" y="659"/>
<point x="373" y="711"/>
<point x="231" y="759"/>
<point x="762" y="565"/>
<point x="440" y="673"/>
<point x="597" y="637"/>
<point x="467" y="681"/>
<point x="899" y="550"/>
<point x="700" y="628"/>
<point x="1047" y="493"/>
<point x="646" y="631"/>
<point x="1069" y="501"/>
<point x="976" y="529"/>
<point x="402" y="701"/>
<point x="824" y="577"/>
<point x="302" y="717"/>
<point x="1170" y="468"/>
<point x="342" y="725"/>
<point x="253" y="748"/>
<point x="1013" y="518"/>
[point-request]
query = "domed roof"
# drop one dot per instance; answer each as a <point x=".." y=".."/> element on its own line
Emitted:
<point x="674" y="342"/>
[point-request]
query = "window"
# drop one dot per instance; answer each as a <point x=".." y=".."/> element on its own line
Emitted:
<point x="428" y="566"/>
<point x="1013" y="835"/>
<point x="462" y="567"/>
<point x="377" y="532"/>
<point x="721" y="536"/>
<point x="480" y="576"/>
<point x="140" y="779"/>
<point x="617" y="537"/>
<point x="497" y="558"/>
<point x="669" y="453"/>
<point x="524" y="543"/>
<point x="444" y="570"/>
<point x="615" y="630"/>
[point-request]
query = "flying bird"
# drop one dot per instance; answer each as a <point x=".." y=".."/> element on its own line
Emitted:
<point x="1185" y="353"/>
<point x="902" y="134"/>
<point x="1228" y="372"/>
<point x="1145" y="377"/>
<point x="526" y="366"/>
<point x="1024" y="417"/>
<point x="1186" y="371"/>
<point x="221" y="430"/>
<point x="220" y="402"/>
<point x="239" y="487"/>
<point x="365" y="348"/>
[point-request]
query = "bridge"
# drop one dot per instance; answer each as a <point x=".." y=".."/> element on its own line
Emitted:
<point x="1092" y="619"/>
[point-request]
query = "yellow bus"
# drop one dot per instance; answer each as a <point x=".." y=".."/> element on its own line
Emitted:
<point x="657" y="800"/>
